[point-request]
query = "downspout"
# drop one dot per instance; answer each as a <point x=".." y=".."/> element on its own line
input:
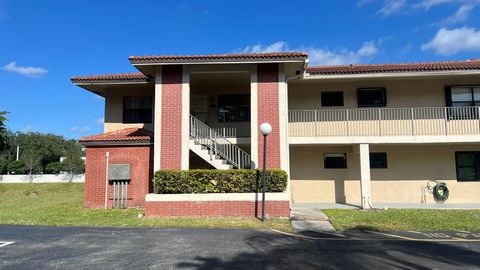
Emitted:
<point x="107" y="155"/>
<point x="302" y="73"/>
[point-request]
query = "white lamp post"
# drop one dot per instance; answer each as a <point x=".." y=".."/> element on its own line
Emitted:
<point x="265" y="129"/>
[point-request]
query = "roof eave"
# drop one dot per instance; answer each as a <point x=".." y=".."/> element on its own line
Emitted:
<point x="108" y="83"/>
<point x="215" y="62"/>
<point x="98" y="87"/>
<point x="406" y="74"/>
<point x="115" y="143"/>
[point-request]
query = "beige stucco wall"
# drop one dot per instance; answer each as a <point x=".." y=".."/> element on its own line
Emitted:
<point x="306" y="94"/>
<point x="404" y="181"/>
<point x="114" y="107"/>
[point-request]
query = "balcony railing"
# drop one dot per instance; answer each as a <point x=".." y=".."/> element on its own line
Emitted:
<point x="227" y="124"/>
<point x="385" y="122"/>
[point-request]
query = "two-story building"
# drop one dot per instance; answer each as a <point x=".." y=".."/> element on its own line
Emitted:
<point x="352" y="134"/>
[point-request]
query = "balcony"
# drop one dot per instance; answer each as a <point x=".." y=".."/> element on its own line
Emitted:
<point x="387" y="122"/>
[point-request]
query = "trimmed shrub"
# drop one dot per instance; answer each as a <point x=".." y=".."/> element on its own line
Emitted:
<point x="54" y="167"/>
<point x="17" y="167"/>
<point x="219" y="181"/>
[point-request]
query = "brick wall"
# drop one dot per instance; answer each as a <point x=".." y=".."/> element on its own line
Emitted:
<point x="268" y="111"/>
<point x="139" y="158"/>
<point x="171" y="131"/>
<point x="216" y="208"/>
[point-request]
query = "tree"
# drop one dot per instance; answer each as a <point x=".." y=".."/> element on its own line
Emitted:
<point x="38" y="150"/>
<point x="16" y="167"/>
<point x="32" y="158"/>
<point x="50" y="147"/>
<point x="3" y="164"/>
<point x="73" y="162"/>
<point x="3" y="129"/>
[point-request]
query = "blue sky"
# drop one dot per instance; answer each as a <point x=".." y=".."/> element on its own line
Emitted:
<point x="44" y="43"/>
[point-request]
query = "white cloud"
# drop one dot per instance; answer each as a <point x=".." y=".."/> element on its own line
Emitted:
<point x="461" y="15"/>
<point x="77" y="129"/>
<point x="428" y="4"/>
<point x="28" y="129"/>
<point x="99" y="121"/>
<point x="449" y="42"/>
<point x="319" y="56"/>
<point x="343" y="56"/>
<point x="279" y="46"/>
<point x="391" y="7"/>
<point x="364" y="2"/>
<point x="35" y="72"/>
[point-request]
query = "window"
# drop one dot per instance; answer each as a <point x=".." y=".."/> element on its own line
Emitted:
<point x="335" y="161"/>
<point x="234" y="108"/>
<point x="460" y="97"/>
<point x="463" y="96"/>
<point x="378" y="160"/>
<point x="331" y="99"/>
<point x="372" y="97"/>
<point x="468" y="167"/>
<point x="137" y="109"/>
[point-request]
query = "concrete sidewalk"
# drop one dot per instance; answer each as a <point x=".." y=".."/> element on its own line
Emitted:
<point x="309" y="219"/>
<point x="389" y="205"/>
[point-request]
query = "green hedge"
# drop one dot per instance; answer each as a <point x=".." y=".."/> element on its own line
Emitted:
<point x="218" y="181"/>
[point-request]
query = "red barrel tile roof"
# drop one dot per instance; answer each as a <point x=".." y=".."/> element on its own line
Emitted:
<point x="218" y="57"/>
<point x="124" y="135"/>
<point x="391" y="68"/>
<point x="134" y="76"/>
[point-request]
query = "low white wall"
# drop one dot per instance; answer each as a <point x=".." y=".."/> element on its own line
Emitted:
<point x="280" y="196"/>
<point x="42" y="178"/>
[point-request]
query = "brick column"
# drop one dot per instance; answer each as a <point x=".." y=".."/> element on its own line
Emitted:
<point x="268" y="110"/>
<point x="168" y="118"/>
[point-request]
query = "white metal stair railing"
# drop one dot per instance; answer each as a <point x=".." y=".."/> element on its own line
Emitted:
<point x="218" y="145"/>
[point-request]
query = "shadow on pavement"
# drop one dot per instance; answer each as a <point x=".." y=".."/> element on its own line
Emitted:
<point x="276" y="251"/>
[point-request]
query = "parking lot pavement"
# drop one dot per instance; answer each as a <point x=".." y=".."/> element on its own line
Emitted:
<point x="161" y="248"/>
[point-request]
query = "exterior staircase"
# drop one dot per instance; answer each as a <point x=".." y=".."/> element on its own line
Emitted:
<point x="215" y="148"/>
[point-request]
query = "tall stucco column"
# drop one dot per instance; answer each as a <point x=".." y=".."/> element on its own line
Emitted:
<point x="169" y="123"/>
<point x="185" y="118"/>
<point x="365" y="185"/>
<point x="157" y="140"/>
<point x="253" y="116"/>
<point x="283" y="122"/>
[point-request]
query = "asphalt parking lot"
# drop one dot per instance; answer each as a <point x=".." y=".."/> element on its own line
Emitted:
<point x="29" y="247"/>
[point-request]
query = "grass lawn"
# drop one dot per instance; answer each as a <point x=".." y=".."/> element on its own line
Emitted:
<point x="62" y="205"/>
<point x="405" y="219"/>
